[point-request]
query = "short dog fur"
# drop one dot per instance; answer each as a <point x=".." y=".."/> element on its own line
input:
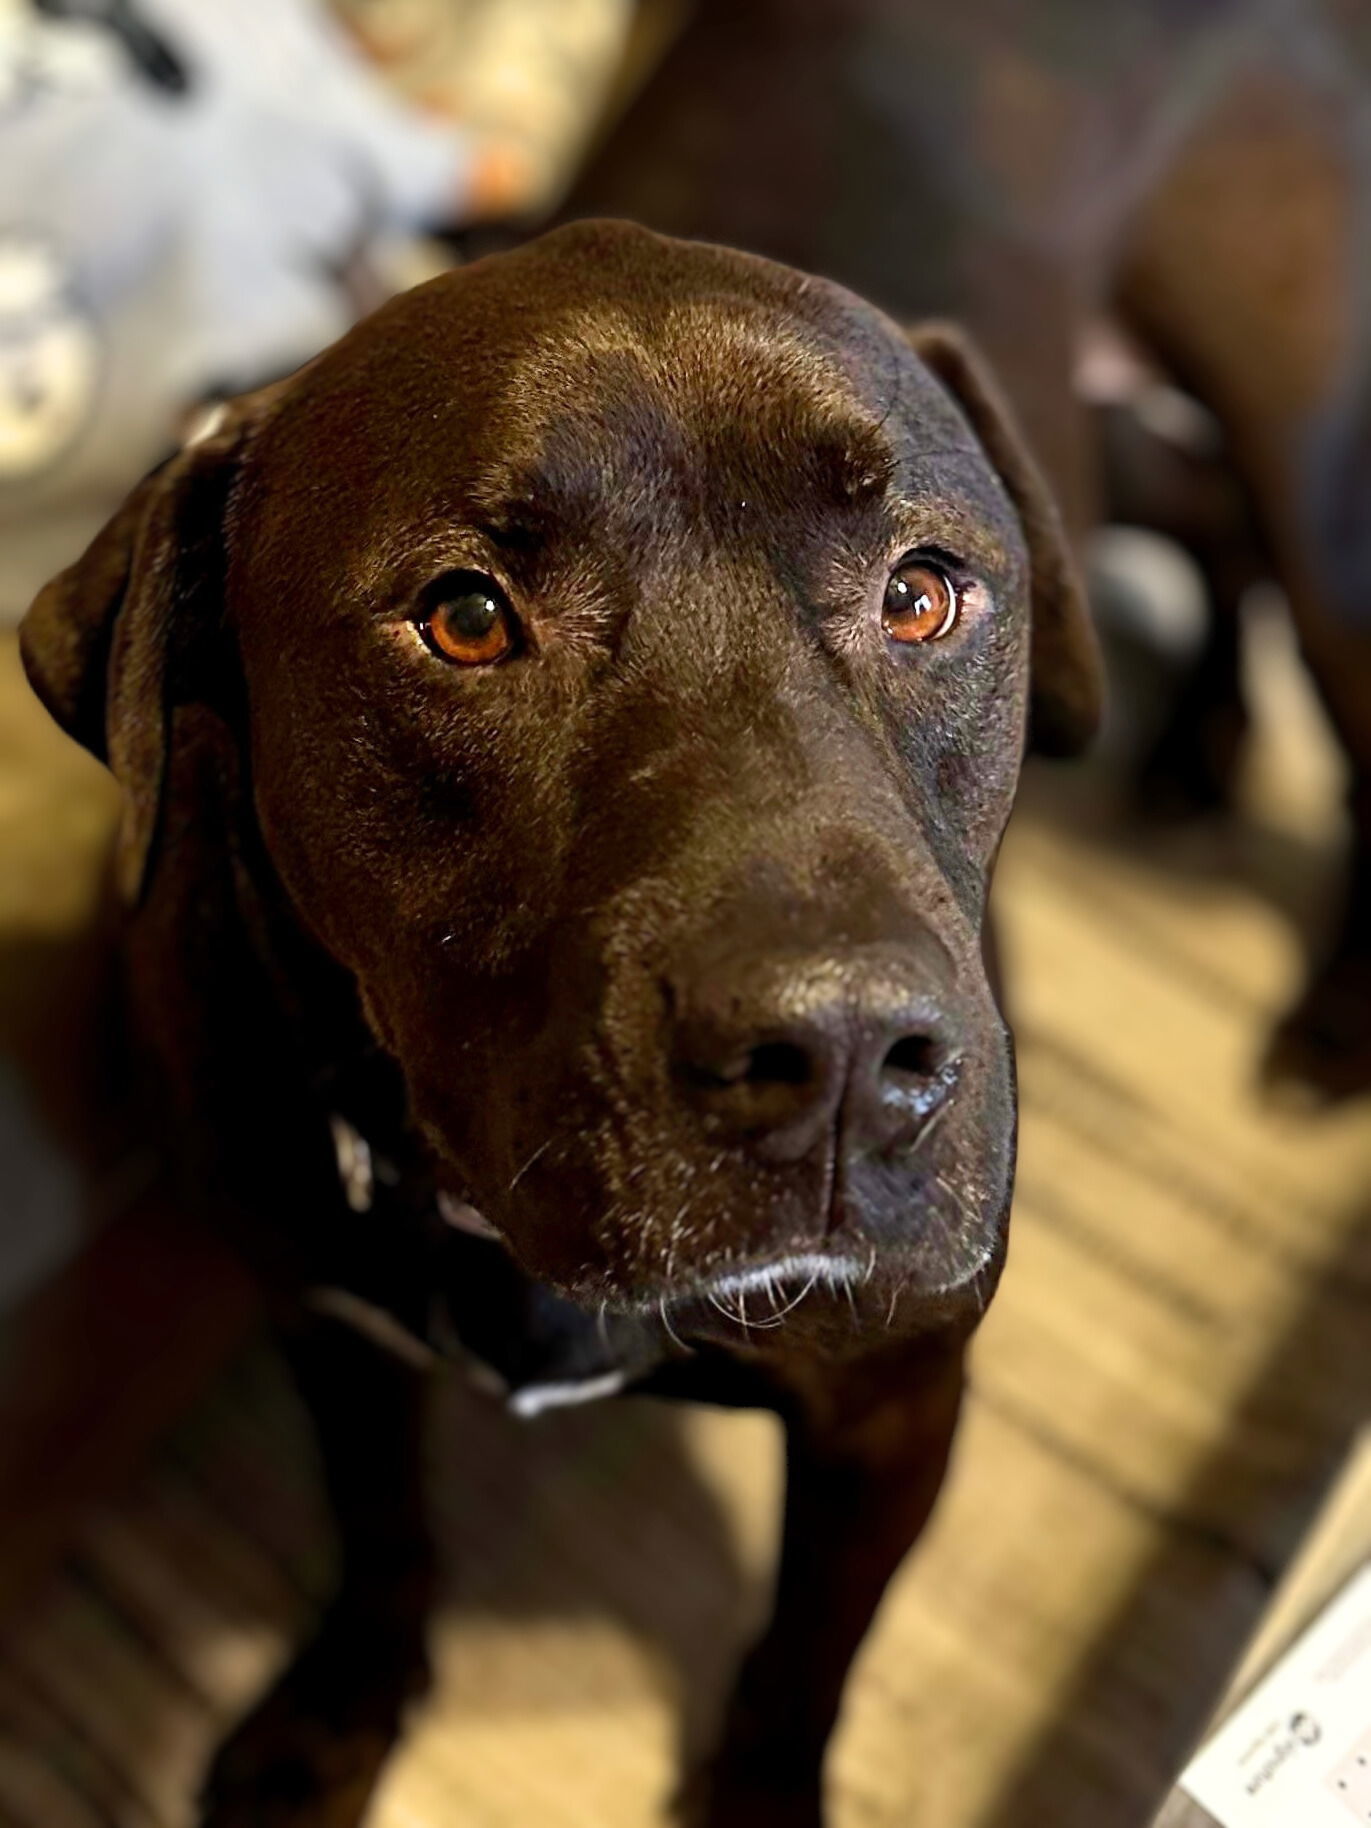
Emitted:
<point x="654" y="948"/>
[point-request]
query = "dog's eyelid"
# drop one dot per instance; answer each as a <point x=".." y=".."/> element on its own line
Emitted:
<point x="953" y="523"/>
<point x="929" y="552"/>
<point x="402" y="577"/>
<point x="422" y="584"/>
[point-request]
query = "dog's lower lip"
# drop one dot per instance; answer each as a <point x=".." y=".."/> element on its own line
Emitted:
<point x="784" y="1281"/>
<point x="812" y="1265"/>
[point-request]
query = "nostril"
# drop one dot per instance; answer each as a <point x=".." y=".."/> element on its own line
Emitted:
<point x="913" y="1057"/>
<point x="771" y="1063"/>
<point x="779" y="1063"/>
<point x="777" y="1096"/>
<point x="917" y="1075"/>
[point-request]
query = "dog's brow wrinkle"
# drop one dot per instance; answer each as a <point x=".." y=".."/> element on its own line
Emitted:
<point x="857" y="462"/>
<point x="519" y="528"/>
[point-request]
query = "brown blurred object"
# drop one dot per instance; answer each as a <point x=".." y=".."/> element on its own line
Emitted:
<point x="1267" y="330"/>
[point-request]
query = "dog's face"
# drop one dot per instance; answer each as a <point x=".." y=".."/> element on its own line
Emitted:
<point x="635" y="643"/>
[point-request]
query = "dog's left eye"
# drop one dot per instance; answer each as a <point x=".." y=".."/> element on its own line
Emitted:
<point x="921" y="603"/>
<point x="467" y="620"/>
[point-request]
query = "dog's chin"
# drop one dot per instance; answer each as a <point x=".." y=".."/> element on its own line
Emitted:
<point x="880" y="1252"/>
<point x="841" y="1291"/>
<point x="850" y="1291"/>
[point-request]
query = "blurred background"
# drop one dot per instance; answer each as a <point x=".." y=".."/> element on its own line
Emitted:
<point x="194" y="199"/>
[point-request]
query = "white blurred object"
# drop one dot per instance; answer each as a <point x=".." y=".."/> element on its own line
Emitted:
<point x="1149" y="605"/>
<point x="1149" y="589"/>
<point x="1112" y="369"/>
<point x="49" y="359"/>
<point x="534" y="73"/>
<point x="158" y="245"/>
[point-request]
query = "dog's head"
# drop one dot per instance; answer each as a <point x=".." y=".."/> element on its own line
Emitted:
<point x="635" y="643"/>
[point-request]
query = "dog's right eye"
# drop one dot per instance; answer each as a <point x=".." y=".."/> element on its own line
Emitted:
<point x="921" y="603"/>
<point x="466" y="619"/>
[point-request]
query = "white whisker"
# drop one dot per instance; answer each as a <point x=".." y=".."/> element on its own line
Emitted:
<point x="802" y="1273"/>
<point x="540" y="1151"/>
<point x="671" y="1332"/>
<point x="834" y="1272"/>
<point x="779" y="1314"/>
<point x="929" y="1128"/>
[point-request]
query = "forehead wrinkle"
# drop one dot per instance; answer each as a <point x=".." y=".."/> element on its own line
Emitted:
<point x="703" y="389"/>
<point x="579" y="422"/>
<point x="743" y="356"/>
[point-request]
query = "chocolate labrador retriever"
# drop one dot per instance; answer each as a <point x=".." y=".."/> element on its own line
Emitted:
<point x="566" y="732"/>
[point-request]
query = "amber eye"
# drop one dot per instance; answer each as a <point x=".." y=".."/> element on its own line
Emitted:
<point x="921" y="603"/>
<point x="467" y="619"/>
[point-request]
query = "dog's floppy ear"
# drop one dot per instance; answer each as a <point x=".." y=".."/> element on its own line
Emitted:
<point x="1066" y="693"/>
<point x="123" y="634"/>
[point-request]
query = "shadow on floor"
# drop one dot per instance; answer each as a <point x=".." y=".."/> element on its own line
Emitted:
<point x="1158" y="1667"/>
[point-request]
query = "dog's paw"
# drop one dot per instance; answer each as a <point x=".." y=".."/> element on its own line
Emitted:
<point x="310" y="1755"/>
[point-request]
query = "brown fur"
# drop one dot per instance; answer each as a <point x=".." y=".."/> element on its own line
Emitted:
<point x="518" y="924"/>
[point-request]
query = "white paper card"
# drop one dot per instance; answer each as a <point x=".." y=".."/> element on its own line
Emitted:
<point x="1297" y="1753"/>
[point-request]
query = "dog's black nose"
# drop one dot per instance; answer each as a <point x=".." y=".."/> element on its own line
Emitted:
<point x="781" y="1052"/>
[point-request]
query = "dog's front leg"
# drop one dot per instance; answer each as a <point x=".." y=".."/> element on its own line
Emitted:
<point x="867" y="1447"/>
<point x="309" y="1755"/>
